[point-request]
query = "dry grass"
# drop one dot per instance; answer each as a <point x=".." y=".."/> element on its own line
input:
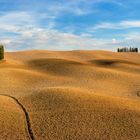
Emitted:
<point x="74" y="95"/>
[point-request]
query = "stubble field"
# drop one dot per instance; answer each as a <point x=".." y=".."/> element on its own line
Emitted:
<point x="70" y="95"/>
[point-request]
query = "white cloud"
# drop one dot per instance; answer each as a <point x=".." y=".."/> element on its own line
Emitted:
<point x="114" y="40"/>
<point x="6" y="41"/>
<point x="131" y="39"/>
<point x="30" y="35"/>
<point x="16" y="17"/>
<point x="120" y="25"/>
<point x="13" y="21"/>
<point x="78" y="7"/>
<point x="55" y="40"/>
<point x="59" y="9"/>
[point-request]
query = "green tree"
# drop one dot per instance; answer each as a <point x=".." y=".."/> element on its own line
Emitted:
<point x="1" y="52"/>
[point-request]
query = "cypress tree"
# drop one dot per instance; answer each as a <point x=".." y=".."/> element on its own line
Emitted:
<point x="136" y="49"/>
<point x="118" y="50"/>
<point x="125" y="49"/>
<point x="1" y="52"/>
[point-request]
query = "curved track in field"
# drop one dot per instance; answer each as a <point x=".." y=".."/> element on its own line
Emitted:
<point x="30" y="132"/>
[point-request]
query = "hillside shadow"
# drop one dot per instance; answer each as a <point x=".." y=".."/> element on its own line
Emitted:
<point x="111" y="62"/>
<point x="55" y="66"/>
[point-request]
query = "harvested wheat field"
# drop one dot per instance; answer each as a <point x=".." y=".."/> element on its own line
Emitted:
<point x="70" y="95"/>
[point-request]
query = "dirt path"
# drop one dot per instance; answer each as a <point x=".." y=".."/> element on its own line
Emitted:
<point x="30" y="132"/>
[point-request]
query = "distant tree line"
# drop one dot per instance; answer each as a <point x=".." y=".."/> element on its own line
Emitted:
<point x="127" y="49"/>
<point x="1" y="51"/>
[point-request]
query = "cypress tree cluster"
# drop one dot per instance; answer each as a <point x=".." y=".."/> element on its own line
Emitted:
<point x="1" y="52"/>
<point x="128" y="49"/>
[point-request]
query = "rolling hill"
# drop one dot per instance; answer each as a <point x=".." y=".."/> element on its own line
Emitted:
<point x="74" y="95"/>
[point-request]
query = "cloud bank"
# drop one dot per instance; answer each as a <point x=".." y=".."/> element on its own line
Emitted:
<point x="61" y="25"/>
<point x="20" y="31"/>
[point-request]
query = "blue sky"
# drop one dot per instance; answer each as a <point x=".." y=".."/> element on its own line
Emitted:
<point x="69" y="25"/>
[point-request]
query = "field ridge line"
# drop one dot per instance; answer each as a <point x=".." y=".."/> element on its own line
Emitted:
<point x="30" y="132"/>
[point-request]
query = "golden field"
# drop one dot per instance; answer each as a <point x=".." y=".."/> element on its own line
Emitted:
<point x="70" y="95"/>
